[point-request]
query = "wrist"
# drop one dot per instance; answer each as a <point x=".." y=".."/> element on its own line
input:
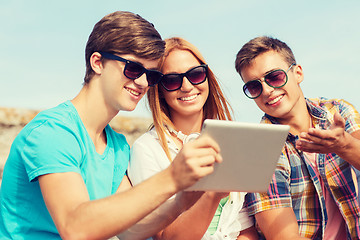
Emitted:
<point x="345" y="146"/>
<point x="170" y="182"/>
<point x="186" y="199"/>
<point x="216" y="196"/>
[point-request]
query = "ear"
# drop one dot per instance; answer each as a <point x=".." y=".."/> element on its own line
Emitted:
<point x="298" y="73"/>
<point x="95" y="62"/>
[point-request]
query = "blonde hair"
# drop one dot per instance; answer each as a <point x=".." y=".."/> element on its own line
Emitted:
<point x="215" y="107"/>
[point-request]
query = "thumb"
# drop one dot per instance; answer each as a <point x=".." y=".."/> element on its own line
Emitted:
<point x="339" y="121"/>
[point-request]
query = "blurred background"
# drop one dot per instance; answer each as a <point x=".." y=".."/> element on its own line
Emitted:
<point x="42" y="44"/>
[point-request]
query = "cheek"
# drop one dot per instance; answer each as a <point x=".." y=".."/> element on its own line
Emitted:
<point x="261" y="105"/>
<point x="147" y="89"/>
<point x="169" y="97"/>
<point x="204" y="88"/>
<point x="258" y="102"/>
<point x="161" y="91"/>
<point x="293" y="88"/>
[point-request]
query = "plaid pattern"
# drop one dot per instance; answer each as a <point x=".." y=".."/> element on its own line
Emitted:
<point x="295" y="183"/>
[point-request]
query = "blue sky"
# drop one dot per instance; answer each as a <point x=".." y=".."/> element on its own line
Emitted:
<point x="42" y="44"/>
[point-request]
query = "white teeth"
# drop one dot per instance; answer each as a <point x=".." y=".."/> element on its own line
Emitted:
<point x="133" y="92"/>
<point x="275" y="100"/>
<point x="188" y="98"/>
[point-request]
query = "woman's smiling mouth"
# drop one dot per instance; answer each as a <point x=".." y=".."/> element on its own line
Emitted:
<point x="133" y="92"/>
<point x="188" y="98"/>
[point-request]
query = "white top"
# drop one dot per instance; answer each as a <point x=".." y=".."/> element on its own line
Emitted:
<point x="148" y="158"/>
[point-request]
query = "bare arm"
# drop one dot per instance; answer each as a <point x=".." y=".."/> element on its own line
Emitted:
<point x="193" y="223"/>
<point x="76" y="217"/>
<point x="334" y="140"/>
<point x="156" y="220"/>
<point x="279" y="223"/>
<point x="248" y="234"/>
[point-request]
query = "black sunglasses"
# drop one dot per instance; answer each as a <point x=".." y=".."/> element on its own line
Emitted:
<point x="133" y="70"/>
<point x="195" y="75"/>
<point x="276" y="79"/>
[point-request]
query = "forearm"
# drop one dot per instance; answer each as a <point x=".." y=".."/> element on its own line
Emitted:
<point x="97" y="219"/>
<point x="351" y="151"/>
<point x="279" y="223"/>
<point x="193" y="223"/>
<point x="248" y="234"/>
<point x="162" y="217"/>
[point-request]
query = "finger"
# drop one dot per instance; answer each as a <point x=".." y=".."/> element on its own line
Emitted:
<point x="312" y="136"/>
<point x="206" y="170"/>
<point x="219" y="158"/>
<point x="309" y="146"/>
<point x="339" y="121"/>
<point x="320" y="135"/>
<point x="324" y="142"/>
<point x="203" y="161"/>
<point x="191" y="152"/>
<point x="205" y="141"/>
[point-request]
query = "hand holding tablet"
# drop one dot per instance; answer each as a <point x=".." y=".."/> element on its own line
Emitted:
<point x="250" y="154"/>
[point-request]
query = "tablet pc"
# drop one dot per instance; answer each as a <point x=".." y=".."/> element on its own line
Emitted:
<point x="250" y="154"/>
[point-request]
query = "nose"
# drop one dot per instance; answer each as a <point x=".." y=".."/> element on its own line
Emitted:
<point x="186" y="85"/>
<point x="141" y="81"/>
<point x="266" y="88"/>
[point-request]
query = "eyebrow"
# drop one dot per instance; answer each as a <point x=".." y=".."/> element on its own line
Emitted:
<point x="267" y="72"/>
<point x="155" y="68"/>
<point x="185" y="71"/>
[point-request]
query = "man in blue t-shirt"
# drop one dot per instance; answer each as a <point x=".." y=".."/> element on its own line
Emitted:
<point x="65" y="176"/>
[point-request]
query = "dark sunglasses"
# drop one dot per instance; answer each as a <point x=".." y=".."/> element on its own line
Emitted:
<point x="133" y="70"/>
<point x="276" y="79"/>
<point x="195" y="75"/>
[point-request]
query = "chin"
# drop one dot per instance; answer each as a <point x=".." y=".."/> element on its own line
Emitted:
<point x="130" y="109"/>
<point x="127" y="108"/>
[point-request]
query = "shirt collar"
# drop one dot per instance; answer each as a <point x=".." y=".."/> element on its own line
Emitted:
<point x="314" y="109"/>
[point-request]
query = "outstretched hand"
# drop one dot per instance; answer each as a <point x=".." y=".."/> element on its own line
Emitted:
<point x="331" y="140"/>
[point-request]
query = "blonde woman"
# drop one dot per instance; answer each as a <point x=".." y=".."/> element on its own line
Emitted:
<point x="187" y="94"/>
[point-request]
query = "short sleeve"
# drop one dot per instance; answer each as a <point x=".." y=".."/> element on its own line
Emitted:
<point x="51" y="148"/>
<point x="122" y="156"/>
<point x="351" y="116"/>
<point x="146" y="159"/>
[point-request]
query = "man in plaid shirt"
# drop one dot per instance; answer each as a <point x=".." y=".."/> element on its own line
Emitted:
<point x="313" y="193"/>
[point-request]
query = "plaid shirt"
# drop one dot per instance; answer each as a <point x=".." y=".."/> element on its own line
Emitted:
<point x="295" y="182"/>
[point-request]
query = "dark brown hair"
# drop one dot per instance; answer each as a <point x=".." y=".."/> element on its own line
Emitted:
<point x="123" y="33"/>
<point x="260" y="45"/>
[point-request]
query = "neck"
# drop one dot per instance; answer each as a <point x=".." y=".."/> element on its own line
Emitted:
<point x="300" y="119"/>
<point x="93" y="111"/>
<point x="188" y="124"/>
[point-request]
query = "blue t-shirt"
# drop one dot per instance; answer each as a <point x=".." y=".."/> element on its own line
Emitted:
<point x="55" y="141"/>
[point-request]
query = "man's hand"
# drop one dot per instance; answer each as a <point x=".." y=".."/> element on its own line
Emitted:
<point x="195" y="160"/>
<point x="332" y="140"/>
